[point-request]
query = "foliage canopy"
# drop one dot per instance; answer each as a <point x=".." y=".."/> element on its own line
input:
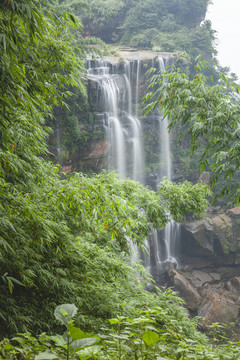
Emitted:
<point x="161" y="25"/>
<point x="209" y="114"/>
<point x="64" y="239"/>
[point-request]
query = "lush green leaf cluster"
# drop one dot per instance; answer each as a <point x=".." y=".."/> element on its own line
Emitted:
<point x="208" y="114"/>
<point x="161" y="25"/>
<point x="184" y="199"/>
<point x="162" y="333"/>
<point x="68" y="240"/>
<point x="65" y="239"/>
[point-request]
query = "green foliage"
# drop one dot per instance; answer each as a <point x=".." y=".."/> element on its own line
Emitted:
<point x="184" y="198"/>
<point x="162" y="333"/>
<point x="65" y="312"/>
<point x="72" y="234"/>
<point x="76" y="339"/>
<point x="165" y="25"/>
<point x="151" y="149"/>
<point x="102" y="13"/>
<point x="184" y="165"/>
<point x="209" y="115"/>
<point x="67" y="6"/>
<point x="36" y="64"/>
<point x="65" y="239"/>
<point x="67" y="346"/>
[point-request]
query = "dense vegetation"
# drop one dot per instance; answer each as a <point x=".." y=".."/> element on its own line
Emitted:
<point x="172" y="26"/>
<point x="65" y="239"/>
<point x="209" y="116"/>
<point x="62" y="239"/>
<point x="161" y="25"/>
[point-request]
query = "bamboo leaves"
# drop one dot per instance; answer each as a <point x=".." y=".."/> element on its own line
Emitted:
<point x="208" y="115"/>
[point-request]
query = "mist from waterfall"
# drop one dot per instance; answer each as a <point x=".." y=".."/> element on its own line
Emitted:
<point x="137" y="86"/>
<point x="123" y="128"/>
<point x="171" y="231"/>
<point x="118" y="98"/>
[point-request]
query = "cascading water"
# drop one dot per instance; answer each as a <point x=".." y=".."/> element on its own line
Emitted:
<point x="137" y="140"/>
<point x="110" y="95"/>
<point x="137" y="86"/>
<point x="135" y="131"/>
<point x="137" y="169"/>
<point x="171" y="233"/>
<point x="114" y="129"/>
<point x="123" y="129"/>
<point x="125" y="137"/>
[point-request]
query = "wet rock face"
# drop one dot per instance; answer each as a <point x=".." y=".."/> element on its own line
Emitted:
<point x="210" y="258"/>
<point x="99" y="149"/>
<point x="234" y="284"/>
<point x="186" y="290"/>
<point x="217" y="308"/>
<point x="215" y="238"/>
<point x="205" y="177"/>
<point x="200" y="278"/>
<point x="201" y="234"/>
<point x="208" y="295"/>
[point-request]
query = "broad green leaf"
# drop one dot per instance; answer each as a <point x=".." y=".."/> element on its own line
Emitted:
<point x="65" y="312"/>
<point x="10" y="286"/>
<point x="59" y="340"/>
<point x="79" y="344"/>
<point x="46" y="355"/>
<point x="88" y="352"/>
<point x="150" y="338"/>
<point x="77" y="333"/>
<point x="8" y="347"/>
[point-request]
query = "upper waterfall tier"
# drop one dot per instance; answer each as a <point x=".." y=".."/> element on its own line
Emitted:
<point x="124" y="54"/>
<point x="114" y="102"/>
<point x="115" y="91"/>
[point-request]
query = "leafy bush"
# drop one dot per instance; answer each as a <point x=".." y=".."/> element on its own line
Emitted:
<point x="162" y="333"/>
<point x="67" y="240"/>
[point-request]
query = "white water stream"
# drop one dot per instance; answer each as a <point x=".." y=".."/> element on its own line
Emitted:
<point x="172" y="229"/>
<point x="123" y="129"/>
<point x="137" y="86"/>
<point x="125" y="137"/>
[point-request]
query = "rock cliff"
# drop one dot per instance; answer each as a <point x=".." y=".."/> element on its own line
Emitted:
<point x="209" y="280"/>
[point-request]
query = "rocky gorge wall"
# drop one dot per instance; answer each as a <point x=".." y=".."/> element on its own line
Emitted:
<point x="209" y="279"/>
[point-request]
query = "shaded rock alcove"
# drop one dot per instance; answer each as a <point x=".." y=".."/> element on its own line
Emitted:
<point x="209" y="280"/>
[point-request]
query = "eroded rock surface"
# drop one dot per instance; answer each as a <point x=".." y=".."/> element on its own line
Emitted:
<point x="213" y="241"/>
<point x="209" y="294"/>
<point x="209" y="280"/>
<point x="186" y="290"/>
<point x="217" y="308"/>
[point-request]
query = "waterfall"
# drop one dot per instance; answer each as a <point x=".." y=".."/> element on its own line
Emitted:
<point x="171" y="239"/>
<point x="127" y="77"/>
<point x="109" y="98"/>
<point x="135" y="130"/>
<point x="165" y="151"/>
<point x="137" y="149"/>
<point x="154" y="251"/>
<point x="137" y="86"/>
<point x="123" y="129"/>
<point x="171" y="232"/>
<point x="115" y="104"/>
